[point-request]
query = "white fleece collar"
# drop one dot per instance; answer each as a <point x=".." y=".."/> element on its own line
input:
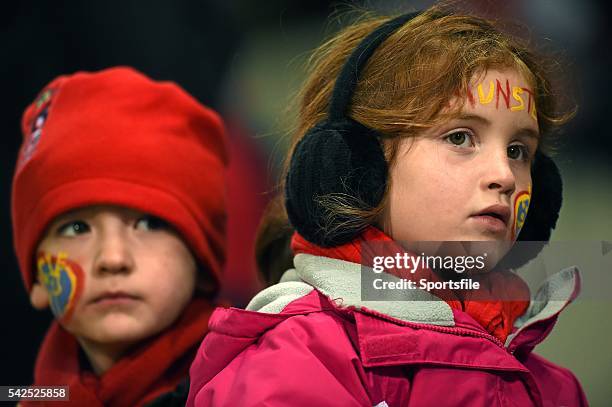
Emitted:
<point x="341" y="281"/>
<point x="552" y="296"/>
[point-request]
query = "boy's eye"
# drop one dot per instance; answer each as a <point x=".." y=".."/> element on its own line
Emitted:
<point x="149" y="222"/>
<point x="73" y="228"/>
<point x="518" y="152"/>
<point x="460" y="138"/>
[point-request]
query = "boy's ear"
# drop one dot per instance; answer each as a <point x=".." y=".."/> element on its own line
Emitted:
<point x="206" y="285"/>
<point x="39" y="297"/>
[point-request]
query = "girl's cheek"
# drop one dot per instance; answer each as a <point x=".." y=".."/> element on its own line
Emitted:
<point x="64" y="280"/>
<point x="521" y="207"/>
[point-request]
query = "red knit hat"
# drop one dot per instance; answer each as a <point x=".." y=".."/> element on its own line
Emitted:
<point x="117" y="137"/>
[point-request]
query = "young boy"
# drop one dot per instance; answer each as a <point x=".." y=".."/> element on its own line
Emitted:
<point x="119" y="224"/>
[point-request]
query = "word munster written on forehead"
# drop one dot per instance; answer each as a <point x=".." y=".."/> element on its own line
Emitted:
<point x="515" y="98"/>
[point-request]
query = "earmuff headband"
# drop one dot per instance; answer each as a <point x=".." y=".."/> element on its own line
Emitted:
<point x="347" y="81"/>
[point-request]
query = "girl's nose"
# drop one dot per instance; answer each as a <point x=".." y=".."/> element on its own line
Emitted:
<point x="499" y="175"/>
<point x="113" y="254"/>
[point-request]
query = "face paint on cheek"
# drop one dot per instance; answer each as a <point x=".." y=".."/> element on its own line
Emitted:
<point x="64" y="280"/>
<point x="521" y="207"/>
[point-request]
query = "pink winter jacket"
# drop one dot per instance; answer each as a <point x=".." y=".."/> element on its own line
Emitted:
<point x="311" y="341"/>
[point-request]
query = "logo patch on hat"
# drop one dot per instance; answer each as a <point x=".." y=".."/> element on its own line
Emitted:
<point x="36" y="127"/>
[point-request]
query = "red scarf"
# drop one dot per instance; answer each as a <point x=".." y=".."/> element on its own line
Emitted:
<point x="144" y="374"/>
<point x="495" y="315"/>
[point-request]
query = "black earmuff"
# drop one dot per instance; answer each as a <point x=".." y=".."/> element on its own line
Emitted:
<point x="343" y="159"/>
<point x="339" y="157"/>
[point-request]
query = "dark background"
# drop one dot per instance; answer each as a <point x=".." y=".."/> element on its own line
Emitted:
<point x="243" y="58"/>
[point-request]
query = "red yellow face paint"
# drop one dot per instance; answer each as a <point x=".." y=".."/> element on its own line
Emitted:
<point x="521" y="207"/>
<point x="502" y="93"/>
<point x="63" y="280"/>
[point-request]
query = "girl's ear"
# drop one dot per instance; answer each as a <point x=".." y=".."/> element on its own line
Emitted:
<point x="39" y="297"/>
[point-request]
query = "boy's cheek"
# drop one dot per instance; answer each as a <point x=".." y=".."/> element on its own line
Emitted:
<point x="64" y="281"/>
<point x="521" y="207"/>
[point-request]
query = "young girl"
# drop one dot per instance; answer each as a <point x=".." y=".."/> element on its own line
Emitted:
<point x="425" y="127"/>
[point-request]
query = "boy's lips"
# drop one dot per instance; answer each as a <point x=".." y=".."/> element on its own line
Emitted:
<point x="113" y="297"/>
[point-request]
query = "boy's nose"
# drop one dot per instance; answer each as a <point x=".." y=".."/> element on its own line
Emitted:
<point x="499" y="175"/>
<point x="113" y="255"/>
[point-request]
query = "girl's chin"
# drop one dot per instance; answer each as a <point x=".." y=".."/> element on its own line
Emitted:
<point x="482" y="236"/>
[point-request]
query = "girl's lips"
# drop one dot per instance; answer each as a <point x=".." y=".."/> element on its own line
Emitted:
<point x="498" y="211"/>
<point x="490" y="223"/>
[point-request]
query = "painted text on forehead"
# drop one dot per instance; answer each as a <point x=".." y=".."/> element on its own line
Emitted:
<point x="503" y="93"/>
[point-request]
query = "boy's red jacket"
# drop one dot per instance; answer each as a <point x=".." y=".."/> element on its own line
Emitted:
<point x="311" y="341"/>
<point x="155" y="368"/>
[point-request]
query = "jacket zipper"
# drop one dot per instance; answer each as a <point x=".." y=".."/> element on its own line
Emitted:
<point x="443" y="329"/>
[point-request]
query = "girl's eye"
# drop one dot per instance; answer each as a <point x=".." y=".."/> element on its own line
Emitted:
<point x="460" y="139"/>
<point x="149" y="222"/>
<point x="73" y="228"/>
<point x="518" y="152"/>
